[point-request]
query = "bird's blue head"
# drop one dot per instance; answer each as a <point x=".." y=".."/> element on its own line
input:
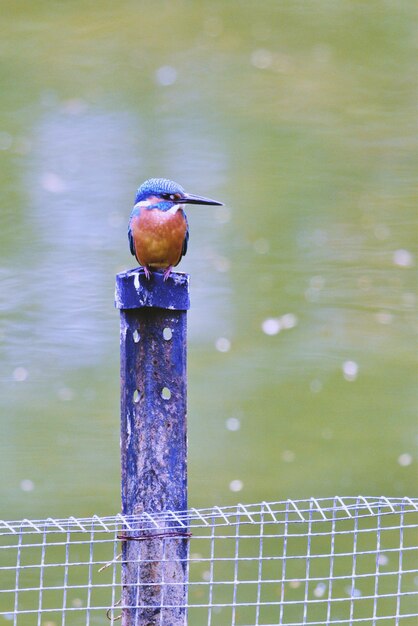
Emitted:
<point x="167" y="193"/>
<point x="160" y="188"/>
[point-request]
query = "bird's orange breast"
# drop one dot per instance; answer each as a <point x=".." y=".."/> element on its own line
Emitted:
<point x="158" y="237"/>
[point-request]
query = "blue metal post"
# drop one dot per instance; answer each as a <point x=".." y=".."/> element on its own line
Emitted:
<point x="153" y="442"/>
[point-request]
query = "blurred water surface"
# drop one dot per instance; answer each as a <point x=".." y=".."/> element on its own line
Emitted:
<point x="302" y="364"/>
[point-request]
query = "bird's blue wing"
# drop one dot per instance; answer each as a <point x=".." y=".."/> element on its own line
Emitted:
<point x="135" y="212"/>
<point x="131" y="240"/>
<point x="186" y="238"/>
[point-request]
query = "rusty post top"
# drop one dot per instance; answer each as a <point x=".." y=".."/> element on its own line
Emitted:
<point x="135" y="291"/>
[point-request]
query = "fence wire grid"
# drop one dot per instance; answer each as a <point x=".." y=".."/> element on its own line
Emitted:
<point x="317" y="561"/>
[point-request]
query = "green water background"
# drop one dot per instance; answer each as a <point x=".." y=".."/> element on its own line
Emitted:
<point x="301" y="117"/>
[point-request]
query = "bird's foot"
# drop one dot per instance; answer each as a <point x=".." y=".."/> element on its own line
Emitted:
<point x="147" y="272"/>
<point x="167" y="272"/>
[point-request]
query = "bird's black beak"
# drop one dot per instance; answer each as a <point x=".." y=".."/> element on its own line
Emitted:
<point x="190" y="198"/>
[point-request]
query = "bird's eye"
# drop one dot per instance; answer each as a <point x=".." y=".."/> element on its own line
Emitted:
<point x="173" y="197"/>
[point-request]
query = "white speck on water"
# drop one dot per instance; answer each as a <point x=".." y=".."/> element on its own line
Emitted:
<point x="403" y="258"/>
<point x="213" y="26"/>
<point x="261" y="59"/>
<point x="65" y="394"/>
<point x="319" y="590"/>
<point x="221" y="264"/>
<point x="288" y="456"/>
<point x="315" y="385"/>
<point x="75" y="106"/>
<point x="236" y="485"/>
<point x="6" y="140"/>
<point x="382" y="559"/>
<point x="327" y="433"/>
<point x="233" y="424"/>
<point x="312" y="295"/>
<point x="322" y="53"/>
<point x="319" y="237"/>
<point x="317" y="282"/>
<point x="408" y="300"/>
<point x="352" y="593"/>
<point x="288" y="320"/>
<point x="294" y="584"/>
<point x="53" y="183"/>
<point x="261" y="246"/>
<point x="27" y="485"/>
<point x="350" y="370"/>
<point x="405" y="459"/>
<point x="384" y="317"/>
<point x="20" y="374"/>
<point x="223" y="344"/>
<point x="271" y="326"/>
<point x="206" y="575"/>
<point x="166" y="75"/>
<point x="381" y="232"/>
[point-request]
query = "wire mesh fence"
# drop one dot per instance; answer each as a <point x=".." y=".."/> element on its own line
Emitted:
<point x="317" y="561"/>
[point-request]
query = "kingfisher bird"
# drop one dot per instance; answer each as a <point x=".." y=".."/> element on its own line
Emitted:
<point x="158" y="231"/>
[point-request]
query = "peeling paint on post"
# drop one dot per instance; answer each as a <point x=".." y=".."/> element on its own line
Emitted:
<point x="153" y="442"/>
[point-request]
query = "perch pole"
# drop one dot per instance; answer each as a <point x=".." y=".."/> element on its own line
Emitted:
<point x="153" y="442"/>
